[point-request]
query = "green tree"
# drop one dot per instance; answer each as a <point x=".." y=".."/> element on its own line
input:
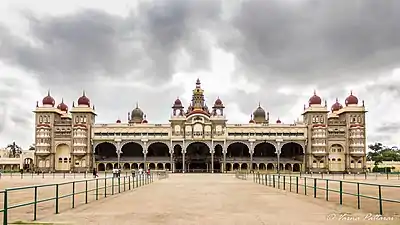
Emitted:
<point x="14" y="150"/>
<point x="380" y="153"/>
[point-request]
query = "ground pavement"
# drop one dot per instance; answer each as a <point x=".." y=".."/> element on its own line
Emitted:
<point x="209" y="199"/>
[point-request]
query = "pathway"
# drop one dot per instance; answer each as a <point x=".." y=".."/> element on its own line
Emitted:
<point x="207" y="199"/>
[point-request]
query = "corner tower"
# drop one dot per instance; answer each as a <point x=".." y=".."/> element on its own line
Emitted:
<point x="83" y="119"/>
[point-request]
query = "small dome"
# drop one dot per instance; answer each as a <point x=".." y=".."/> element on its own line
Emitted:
<point x="118" y="121"/>
<point x="315" y="100"/>
<point x="177" y="103"/>
<point x="336" y="106"/>
<point x="83" y="100"/>
<point x="259" y="112"/>
<point x="278" y="121"/>
<point x="62" y="106"/>
<point x="145" y="119"/>
<point x="137" y="112"/>
<point x="48" y="100"/>
<point x="218" y="101"/>
<point x="351" y="100"/>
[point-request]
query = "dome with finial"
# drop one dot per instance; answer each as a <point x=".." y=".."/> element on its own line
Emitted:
<point x="118" y="121"/>
<point x="336" y="106"/>
<point x="177" y="104"/>
<point x="62" y="106"/>
<point x="251" y="119"/>
<point x="278" y="121"/>
<point x="83" y="100"/>
<point x="48" y="100"/>
<point x="218" y="102"/>
<point x="315" y="99"/>
<point x="259" y="112"/>
<point x="351" y="100"/>
<point x="137" y="113"/>
<point x="145" y="119"/>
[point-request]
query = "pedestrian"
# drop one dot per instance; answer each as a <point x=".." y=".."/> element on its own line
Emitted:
<point x="94" y="173"/>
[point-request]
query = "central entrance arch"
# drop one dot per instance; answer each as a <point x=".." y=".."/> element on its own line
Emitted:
<point x="198" y="157"/>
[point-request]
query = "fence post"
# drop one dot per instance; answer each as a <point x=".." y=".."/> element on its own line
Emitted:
<point x="97" y="189"/>
<point x="315" y="187"/>
<point x="284" y="183"/>
<point x="105" y="187"/>
<point x="86" y="194"/>
<point x="380" y="199"/>
<point x="262" y="179"/>
<point x="297" y="185"/>
<point x="305" y="185"/>
<point x="387" y="175"/>
<point x="119" y="184"/>
<point x="290" y="183"/>
<point x="327" y="190"/>
<point x="341" y="192"/>
<point x="358" y="195"/>
<point x="273" y="181"/>
<point x="124" y="183"/>
<point x="5" y="206"/>
<point x="64" y="175"/>
<point x="73" y="194"/>
<point x="365" y="175"/>
<point x="56" y="198"/>
<point x="112" y="184"/>
<point x="266" y="179"/>
<point x="35" y="204"/>
<point x="279" y="181"/>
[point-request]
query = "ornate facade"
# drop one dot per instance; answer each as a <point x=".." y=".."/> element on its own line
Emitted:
<point x="200" y="139"/>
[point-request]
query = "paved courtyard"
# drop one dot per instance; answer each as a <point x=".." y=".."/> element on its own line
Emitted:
<point x="210" y="199"/>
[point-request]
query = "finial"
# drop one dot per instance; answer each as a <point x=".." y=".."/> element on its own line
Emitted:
<point x="337" y="100"/>
<point x="83" y="93"/>
<point x="94" y="108"/>
<point x="37" y="103"/>
<point x="145" y="116"/>
<point x="137" y="105"/>
<point x="363" y="103"/>
<point x="129" y="116"/>
<point x="251" y="116"/>
<point x="48" y="92"/>
<point x="315" y="92"/>
<point x="259" y="104"/>
<point x="73" y="104"/>
<point x="62" y="100"/>
<point x="326" y="103"/>
<point x="304" y="106"/>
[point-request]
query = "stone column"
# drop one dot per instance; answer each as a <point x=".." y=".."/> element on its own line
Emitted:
<point x="145" y="157"/>
<point x="183" y="160"/>
<point x="251" y="156"/>
<point x="224" y="164"/>
<point x="278" y="154"/>
<point x="172" y="160"/>
<point x="212" y="160"/>
<point x="118" y="142"/>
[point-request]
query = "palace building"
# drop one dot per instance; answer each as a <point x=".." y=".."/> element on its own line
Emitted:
<point x="200" y="139"/>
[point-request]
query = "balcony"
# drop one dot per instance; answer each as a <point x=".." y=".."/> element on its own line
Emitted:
<point x="319" y="153"/>
<point x="42" y="152"/>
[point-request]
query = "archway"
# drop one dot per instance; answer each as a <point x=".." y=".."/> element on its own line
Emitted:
<point x="292" y="151"/>
<point x="237" y="151"/>
<point x="296" y="167"/>
<point x="105" y="152"/>
<point x="244" y="166"/>
<point x="264" y="150"/>
<point x="132" y="151"/>
<point x="109" y="166"/>
<point x="134" y="166"/>
<point x="254" y="166"/>
<point x="158" y="151"/>
<point x="228" y="167"/>
<point x="62" y="152"/>
<point x="168" y="166"/>
<point x="160" y="166"/>
<point x="218" y="158"/>
<point x="270" y="166"/>
<point x="28" y="164"/>
<point x="288" y="167"/>
<point x="101" y="167"/>
<point x="236" y="166"/>
<point x="177" y="156"/>
<point x="141" y="166"/>
<point x="198" y="157"/>
<point x="126" y="166"/>
<point x="261" y="166"/>
<point x="152" y="166"/>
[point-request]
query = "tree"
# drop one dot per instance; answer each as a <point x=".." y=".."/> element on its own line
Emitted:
<point x="14" y="151"/>
<point x="32" y="147"/>
<point x="380" y="153"/>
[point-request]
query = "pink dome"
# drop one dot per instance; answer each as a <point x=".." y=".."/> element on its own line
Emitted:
<point x="62" y="106"/>
<point x="315" y="100"/>
<point x="83" y="100"/>
<point x="48" y="100"/>
<point x="351" y="100"/>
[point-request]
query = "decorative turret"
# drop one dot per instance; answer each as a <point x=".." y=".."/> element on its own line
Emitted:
<point x="137" y="115"/>
<point x="48" y="101"/>
<point x="259" y="115"/>
<point x="198" y="103"/>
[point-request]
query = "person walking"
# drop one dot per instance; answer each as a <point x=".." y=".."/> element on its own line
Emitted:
<point x="95" y="173"/>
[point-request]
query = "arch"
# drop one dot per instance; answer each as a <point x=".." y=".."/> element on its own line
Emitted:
<point x="132" y="150"/>
<point x="296" y="167"/>
<point x="236" y="166"/>
<point x="105" y="151"/>
<point x="101" y="167"/>
<point x="126" y="166"/>
<point x="177" y="151"/>
<point x="288" y="167"/>
<point x="109" y="166"/>
<point x="135" y="166"/>
<point x="292" y="150"/>
<point x="158" y="149"/>
<point x="254" y="166"/>
<point x="152" y="166"/>
<point x="116" y="166"/>
<point x="62" y="151"/>
<point x="168" y="166"/>
<point x="160" y="166"/>
<point x="228" y="167"/>
<point x="244" y="166"/>
<point x="270" y="166"/>
<point x="198" y="155"/>
<point x="261" y="166"/>
<point x="141" y="165"/>
<point x="238" y="149"/>
<point x="218" y="151"/>
<point x="264" y="149"/>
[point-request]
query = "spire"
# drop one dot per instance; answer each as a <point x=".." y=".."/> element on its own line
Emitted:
<point x="315" y="92"/>
<point x="62" y="100"/>
<point x="48" y="93"/>
<point x="73" y="104"/>
<point x="37" y="103"/>
<point x="84" y="93"/>
<point x="337" y="100"/>
<point x="351" y="92"/>
<point x="259" y="104"/>
<point x="137" y="105"/>
<point x="198" y="83"/>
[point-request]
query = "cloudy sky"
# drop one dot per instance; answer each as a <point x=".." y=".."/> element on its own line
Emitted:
<point x="273" y="51"/>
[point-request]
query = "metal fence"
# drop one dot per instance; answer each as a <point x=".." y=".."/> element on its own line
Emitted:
<point x="330" y="189"/>
<point x="99" y="187"/>
<point x="241" y="175"/>
<point x="354" y="176"/>
<point x="64" y="175"/>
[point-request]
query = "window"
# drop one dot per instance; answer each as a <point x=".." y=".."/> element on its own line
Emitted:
<point x="69" y="160"/>
<point x="315" y="161"/>
<point x="65" y="160"/>
<point x="333" y="160"/>
<point x="60" y="160"/>
<point x="339" y="159"/>
<point x="322" y="161"/>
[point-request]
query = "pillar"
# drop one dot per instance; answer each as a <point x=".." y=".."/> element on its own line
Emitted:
<point x="251" y="156"/>
<point x="183" y="160"/>
<point x="224" y="164"/>
<point x="212" y="160"/>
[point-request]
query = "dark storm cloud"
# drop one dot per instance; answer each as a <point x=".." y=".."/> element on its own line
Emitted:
<point x="89" y="43"/>
<point x="316" y="41"/>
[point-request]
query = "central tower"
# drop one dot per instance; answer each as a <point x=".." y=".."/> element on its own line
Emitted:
<point x="198" y="97"/>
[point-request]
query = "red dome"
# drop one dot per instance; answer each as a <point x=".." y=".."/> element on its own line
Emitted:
<point x="218" y="101"/>
<point x="144" y="121"/>
<point x="83" y="100"/>
<point x="178" y="102"/>
<point x="315" y="100"/>
<point x="118" y="121"/>
<point x="251" y="121"/>
<point x="351" y="100"/>
<point x="336" y="106"/>
<point x="278" y="121"/>
<point x="62" y="106"/>
<point x="48" y="100"/>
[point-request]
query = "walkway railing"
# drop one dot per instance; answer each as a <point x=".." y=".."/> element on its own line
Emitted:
<point x="161" y="174"/>
<point x="330" y="189"/>
<point x="53" y="193"/>
<point x="241" y="175"/>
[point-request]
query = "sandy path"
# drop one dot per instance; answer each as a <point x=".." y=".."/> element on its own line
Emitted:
<point x="208" y="199"/>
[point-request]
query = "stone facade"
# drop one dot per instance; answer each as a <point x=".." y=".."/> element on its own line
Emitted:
<point x="200" y="139"/>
